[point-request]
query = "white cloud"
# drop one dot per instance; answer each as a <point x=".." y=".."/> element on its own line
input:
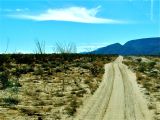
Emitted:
<point x="72" y="14"/>
<point x="19" y="10"/>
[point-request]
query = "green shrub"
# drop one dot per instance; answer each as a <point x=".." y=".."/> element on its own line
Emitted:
<point x="71" y="108"/>
<point x="38" y="71"/>
<point x="18" y="71"/>
<point x="151" y="64"/>
<point x="5" y="58"/>
<point x="139" y="60"/>
<point x="142" y="68"/>
<point x="4" y="79"/>
<point x="2" y="68"/>
<point x="10" y="100"/>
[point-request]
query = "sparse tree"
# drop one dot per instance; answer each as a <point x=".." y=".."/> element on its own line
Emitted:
<point x="40" y="47"/>
<point x="65" y="48"/>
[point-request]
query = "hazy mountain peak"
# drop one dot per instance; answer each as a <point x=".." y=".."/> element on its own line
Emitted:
<point x="144" y="46"/>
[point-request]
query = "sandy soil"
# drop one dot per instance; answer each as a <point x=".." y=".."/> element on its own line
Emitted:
<point x="117" y="98"/>
<point x="48" y="86"/>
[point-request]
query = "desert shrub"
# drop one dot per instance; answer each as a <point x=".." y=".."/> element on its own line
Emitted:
<point x="21" y="70"/>
<point x="3" y="68"/>
<point x="4" y="79"/>
<point x="141" y="68"/>
<point x="151" y="106"/>
<point x="39" y="103"/>
<point x="59" y="94"/>
<point x="139" y="76"/>
<point x="81" y="92"/>
<point x="50" y="71"/>
<point x="40" y="47"/>
<point x="5" y="58"/>
<point x="153" y="74"/>
<point x="139" y="60"/>
<point x="87" y="81"/>
<point x="147" y="85"/>
<point x="29" y="68"/>
<point x="10" y="100"/>
<point x="23" y="58"/>
<point x="59" y="103"/>
<point x="14" y="83"/>
<point x="95" y="71"/>
<point x="58" y="69"/>
<point x="38" y="71"/>
<point x="127" y="63"/>
<point x="151" y="64"/>
<point x="65" y="48"/>
<point x="29" y="111"/>
<point x="86" y="66"/>
<point x="46" y="65"/>
<point x="71" y="108"/>
<point x="57" y="115"/>
<point x="92" y="87"/>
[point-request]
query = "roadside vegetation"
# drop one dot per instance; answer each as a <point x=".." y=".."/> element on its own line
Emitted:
<point x="47" y="86"/>
<point x="147" y="69"/>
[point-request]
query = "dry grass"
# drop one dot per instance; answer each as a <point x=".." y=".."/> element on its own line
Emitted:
<point x="48" y="86"/>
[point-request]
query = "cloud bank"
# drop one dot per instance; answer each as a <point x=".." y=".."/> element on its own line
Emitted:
<point x="71" y="14"/>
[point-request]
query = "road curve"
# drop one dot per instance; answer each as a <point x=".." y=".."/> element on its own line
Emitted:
<point x="117" y="98"/>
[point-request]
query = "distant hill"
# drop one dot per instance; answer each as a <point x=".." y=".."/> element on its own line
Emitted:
<point x="145" y="46"/>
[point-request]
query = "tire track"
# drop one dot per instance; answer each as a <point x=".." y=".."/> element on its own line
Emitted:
<point x="117" y="98"/>
<point x="139" y="104"/>
<point x="129" y="98"/>
<point x="115" y="110"/>
<point x="96" y="106"/>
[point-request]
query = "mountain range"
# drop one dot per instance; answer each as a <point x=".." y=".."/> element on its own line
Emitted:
<point x="144" y="46"/>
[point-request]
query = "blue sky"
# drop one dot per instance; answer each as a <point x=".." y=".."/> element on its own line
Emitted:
<point x="89" y="24"/>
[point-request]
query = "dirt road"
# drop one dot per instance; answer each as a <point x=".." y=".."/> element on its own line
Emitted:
<point x="117" y="98"/>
